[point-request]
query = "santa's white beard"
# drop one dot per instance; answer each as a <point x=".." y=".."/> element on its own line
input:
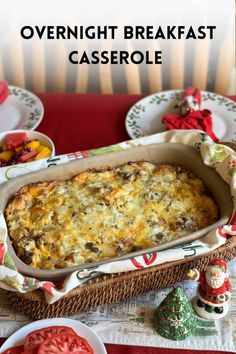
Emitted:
<point x="215" y="282"/>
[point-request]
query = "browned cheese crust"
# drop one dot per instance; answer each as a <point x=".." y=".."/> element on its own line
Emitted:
<point x="98" y="215"/>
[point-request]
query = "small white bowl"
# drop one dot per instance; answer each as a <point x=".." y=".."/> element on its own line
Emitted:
<point x="33" y="135"/>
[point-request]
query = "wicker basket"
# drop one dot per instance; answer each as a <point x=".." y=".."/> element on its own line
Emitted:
<point x="116" y="287"/>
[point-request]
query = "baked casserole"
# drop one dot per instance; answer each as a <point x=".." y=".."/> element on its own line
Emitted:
<point x="102" y="214"/>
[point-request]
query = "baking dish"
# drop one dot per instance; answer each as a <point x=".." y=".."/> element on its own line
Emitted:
<point x="169" y="153"/>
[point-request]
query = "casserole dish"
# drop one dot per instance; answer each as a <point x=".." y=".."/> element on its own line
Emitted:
<point x="165" y="153"/>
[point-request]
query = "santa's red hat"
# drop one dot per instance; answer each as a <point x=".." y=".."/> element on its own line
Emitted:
<point x="218" y="263"/>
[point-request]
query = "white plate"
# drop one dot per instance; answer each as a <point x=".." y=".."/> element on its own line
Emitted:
<point x="21" y="110"/>
<point x="145" y="117"/>
<point x="94" y="341"/>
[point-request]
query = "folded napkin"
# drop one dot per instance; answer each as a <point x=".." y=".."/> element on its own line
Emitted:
<point x="191" y="117"/>
<point x="3" y="91"/>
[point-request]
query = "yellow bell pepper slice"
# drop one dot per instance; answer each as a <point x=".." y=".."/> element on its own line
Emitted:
<point x="40" y="148"/>
<point x="34" y="144"/>
<point x="46" y="152"/>
<point x="6" y="156"/>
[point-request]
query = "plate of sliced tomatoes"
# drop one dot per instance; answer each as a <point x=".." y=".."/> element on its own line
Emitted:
<point x="54" y="336"/>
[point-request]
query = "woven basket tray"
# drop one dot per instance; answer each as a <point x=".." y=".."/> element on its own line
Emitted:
<point x="117" y="287"/>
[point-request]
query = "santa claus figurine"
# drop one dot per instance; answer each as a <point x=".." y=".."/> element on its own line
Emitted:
<point x="213" y="293"/>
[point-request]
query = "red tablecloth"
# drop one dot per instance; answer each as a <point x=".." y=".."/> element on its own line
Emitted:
<point x="85" y="121"/>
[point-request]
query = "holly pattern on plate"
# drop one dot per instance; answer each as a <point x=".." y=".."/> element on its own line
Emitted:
<point x="139" y="124"/>
<point x="220" y="100"/>
<point x="133" y="117"/>
<point x="23" y="95"/>
<point x="32" y="107"/>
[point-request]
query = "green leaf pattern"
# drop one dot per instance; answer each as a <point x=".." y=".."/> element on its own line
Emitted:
<point x="29" y="101"/>
<point x="157" y="99"/>
<point x="132" y="119"/>
<point x="220" y="101"/>
<point x="216" y="153"/>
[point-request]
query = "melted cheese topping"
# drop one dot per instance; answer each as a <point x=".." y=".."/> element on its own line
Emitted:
<point x="99" y="215"/>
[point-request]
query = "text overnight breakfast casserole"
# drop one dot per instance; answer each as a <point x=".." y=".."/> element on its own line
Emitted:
<point x="98" y="215"/>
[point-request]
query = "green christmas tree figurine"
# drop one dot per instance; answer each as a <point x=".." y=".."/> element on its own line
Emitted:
<point x="174" y="317"/>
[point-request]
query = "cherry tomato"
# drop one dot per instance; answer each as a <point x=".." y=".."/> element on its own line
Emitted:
<point x="14" y="350"/>
<point x="65" y="343"/>
<point x="35" y="338"/>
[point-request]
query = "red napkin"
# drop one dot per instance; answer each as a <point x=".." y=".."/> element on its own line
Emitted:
<point x="3" y="91"/>
<point x="191" y="117"/>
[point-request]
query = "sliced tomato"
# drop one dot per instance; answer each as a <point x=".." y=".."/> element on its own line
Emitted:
<point x="35" y="338"/>
<point x="14" y="350"/>
<point x="65" y="343"/>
